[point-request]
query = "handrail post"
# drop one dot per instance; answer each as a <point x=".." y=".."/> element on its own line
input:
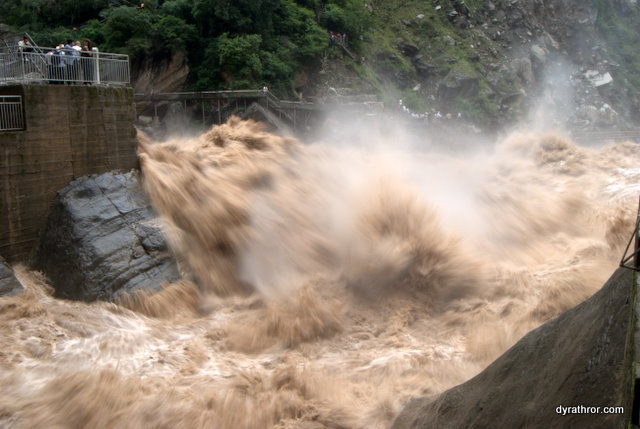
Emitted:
<point x="97" y="66"/>
<point x="22" y="65"/>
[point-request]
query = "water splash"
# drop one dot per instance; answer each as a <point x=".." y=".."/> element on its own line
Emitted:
<point x="322" y="285"/>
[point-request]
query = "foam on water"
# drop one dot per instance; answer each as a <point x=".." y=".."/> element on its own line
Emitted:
<point x="323" y="285"/>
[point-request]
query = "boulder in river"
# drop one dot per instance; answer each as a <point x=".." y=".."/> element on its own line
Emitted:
<point x="9" y="284"/>
<point x="103" y="240"/>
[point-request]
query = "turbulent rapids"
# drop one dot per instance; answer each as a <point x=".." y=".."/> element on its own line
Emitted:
<point x="323" y="285"/>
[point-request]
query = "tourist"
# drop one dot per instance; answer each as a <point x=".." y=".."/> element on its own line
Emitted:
<point x="59" y="74"/>
<point x="69" y="62"/>
<point x="50" y="60"/>
<point x="87" y="62"/>
<point x="24" y="45"/>
<point x="25" y="48"/>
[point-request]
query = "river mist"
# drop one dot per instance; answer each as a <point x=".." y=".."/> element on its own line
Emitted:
<point x="323" y="285"/>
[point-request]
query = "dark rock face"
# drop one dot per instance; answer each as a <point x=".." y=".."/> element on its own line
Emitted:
<point x="583" y="357"/>
<point x="9" y="285"/>
<point x="408" y="49"/>
<point x="453" y="87"/>
<point x="103" y="240"/>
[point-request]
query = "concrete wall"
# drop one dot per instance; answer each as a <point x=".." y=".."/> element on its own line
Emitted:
<point x="71" y="131"/>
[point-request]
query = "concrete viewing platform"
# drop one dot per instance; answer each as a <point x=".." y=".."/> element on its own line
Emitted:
<point x="66" y="132"/>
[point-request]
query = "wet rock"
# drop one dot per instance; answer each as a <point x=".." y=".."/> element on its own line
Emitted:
<point x="538" y="57"/>
<point x="9" y="284"/>
<point x="583" y="357"/>
<point x="607" y="116"/>
<point x="597" y="79"/>
<point x="522" y="68"/>
<point x="461" y="7"/>
<point x="489" y="7"/>
<point x="408" y="49"/>
<point x="403" y="79"/>
<point x="103" y="240"/>
<point x="454" y="86"/>
<point x="423" y="68"/>
<point x="549" y="41"/>
<point x="588" y="113"/>
<point x="449" y="40"/>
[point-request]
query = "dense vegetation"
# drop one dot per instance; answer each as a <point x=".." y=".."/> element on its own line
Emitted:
<point x="229" y="43"/>
<point x="235" y="44"/>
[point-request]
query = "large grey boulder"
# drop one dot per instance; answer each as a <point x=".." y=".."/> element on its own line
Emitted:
<point x="103" y="240"/>
<point x="583" y="358"/>
<point x="9" y="284"/>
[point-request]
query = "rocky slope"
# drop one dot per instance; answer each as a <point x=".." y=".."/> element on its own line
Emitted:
<point x="555" y="62"/>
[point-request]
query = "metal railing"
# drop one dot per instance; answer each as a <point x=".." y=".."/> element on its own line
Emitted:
<point x="59" y="66"/>
<point x="11" y="118"/>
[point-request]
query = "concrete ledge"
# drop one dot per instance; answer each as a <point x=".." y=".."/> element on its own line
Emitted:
<point x="71" y="131"/>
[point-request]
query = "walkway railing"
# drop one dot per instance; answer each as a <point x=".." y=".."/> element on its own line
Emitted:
<point x="57" y="66"/>
<point x="283" y="109"/>
<point x="11" y="118"/>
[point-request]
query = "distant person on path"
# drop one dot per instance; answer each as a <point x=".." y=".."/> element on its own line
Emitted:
<point x="265" y="90"/>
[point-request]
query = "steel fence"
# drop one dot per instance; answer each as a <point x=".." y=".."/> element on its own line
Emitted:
<point x="60" y="66"/>
<point x="11" y="118"/>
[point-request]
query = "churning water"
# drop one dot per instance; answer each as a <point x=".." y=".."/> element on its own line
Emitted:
<point x="324" y="285"/>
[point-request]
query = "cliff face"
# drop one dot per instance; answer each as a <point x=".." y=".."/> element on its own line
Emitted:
<point x="167" y="75"/>
<point x="566" y="63"/>
<point x="558" y="62"/>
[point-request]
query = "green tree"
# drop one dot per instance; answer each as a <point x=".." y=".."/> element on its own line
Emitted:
<point x="238" y="57"/>
<point x="174" y="33"/>
<point x="127" y="29"/>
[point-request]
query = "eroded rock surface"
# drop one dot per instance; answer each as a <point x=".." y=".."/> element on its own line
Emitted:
<point x="9" y="284"/>
<point x="103" y="240"/>
<point x="582" y="358"/>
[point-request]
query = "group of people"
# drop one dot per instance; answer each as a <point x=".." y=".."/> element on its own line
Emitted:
<point x="68" y="62"/>
<point x="72" y="62"/>
<point x="426" y="115"/>
<point x="337" y="39"/>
